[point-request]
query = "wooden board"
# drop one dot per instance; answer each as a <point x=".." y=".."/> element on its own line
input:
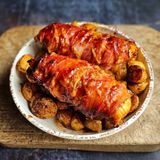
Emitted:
<point x="16" y="131"/>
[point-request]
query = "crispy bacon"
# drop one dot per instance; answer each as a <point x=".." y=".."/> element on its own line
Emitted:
<point x="87" y="87"/>
<point x="78" y="42"/>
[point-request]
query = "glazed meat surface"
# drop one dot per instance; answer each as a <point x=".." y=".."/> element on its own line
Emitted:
<point x="86" y="87"/>
<point x="78" y="42"/>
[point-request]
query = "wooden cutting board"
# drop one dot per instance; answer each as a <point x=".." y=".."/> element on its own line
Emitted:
<point x="16" y="131"/>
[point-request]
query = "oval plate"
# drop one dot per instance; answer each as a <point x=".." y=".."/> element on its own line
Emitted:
<point x="50" y="125"/>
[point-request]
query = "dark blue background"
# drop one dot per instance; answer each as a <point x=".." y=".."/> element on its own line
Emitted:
<point x="18" y="12"/>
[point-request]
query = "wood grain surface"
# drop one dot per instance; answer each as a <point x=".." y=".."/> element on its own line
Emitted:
<point x="16" y="131"/>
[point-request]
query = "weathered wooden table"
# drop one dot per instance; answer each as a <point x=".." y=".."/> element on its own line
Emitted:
<point x="20" y="12"/>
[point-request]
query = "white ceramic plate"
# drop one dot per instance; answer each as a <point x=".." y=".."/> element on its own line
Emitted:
<point x="49" y="125"/>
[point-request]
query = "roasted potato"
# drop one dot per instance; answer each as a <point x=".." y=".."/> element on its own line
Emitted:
<point x="124" y="82"/>
<point x="134" y="103"/>
<point x="109" y="72"/>
<point x="23" y="64"/>
<point x="122" y="111"/>
<point x="62" y="106"/>
<point x="120" y="71"/>
<point x="74" y="23"/>
<point x="89" y="26"/>
<point x="93" y="125"/>
<point x="133" y="51"/>
<point x="138" y="88"/>
<point x="108" y="123"/>
<point x="43" y="107"/>
<point x="136" y="63"/>
<point x="136" y="72"/>
<point x="65" y="117"/>
<point x="28" y="90"/>
<point x="76" y="123"/>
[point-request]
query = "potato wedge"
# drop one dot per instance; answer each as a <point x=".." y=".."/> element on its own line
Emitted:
<point x="138" y="88"/>
<point x="89" y="26"/>
<point x="76" y="123"/>
<point x="136" y="72"/>
<point x="23" y="64"/>
<point x="28" y="90"/>
<point x="93" y="125"/>
<point x="75" y="23"/>
<point x="124" y="82"/>
<point x="43" y="107"/>
<point x="134" y="103"/>
<point x="65" y="117"/>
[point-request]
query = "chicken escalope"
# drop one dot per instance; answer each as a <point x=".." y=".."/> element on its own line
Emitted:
<point x="86" y="87"/>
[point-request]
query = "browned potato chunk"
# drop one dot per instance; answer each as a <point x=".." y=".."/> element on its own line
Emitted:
<point x="108" y="71"/>
<point x="138" y="88"/>
<point x="124" y="82"/>
<point x="28" y="90"/>
<point x="65" y="117"/>
<point x="108" y="123"/>
<point x="43" y="107"/>
<point x="62" y="106"/>
<point x="76" y="123"/>
<point x="120" y="71"/>
<point x="134" y="103"/>
<point x="133" y="51"/>
<point x="94" y="125"/>
<point x="136" y="72"/>
<point x="89" y="26"/>
<point x="23" y="64"/>
<point x="74" y="23"/>
<point x="136" y="63"/>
